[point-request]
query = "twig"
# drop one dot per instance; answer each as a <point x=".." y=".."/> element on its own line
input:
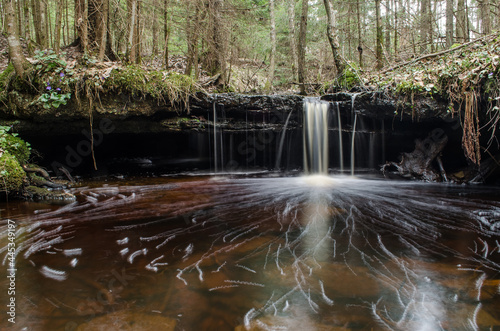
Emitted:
<point x="427" y="56"/>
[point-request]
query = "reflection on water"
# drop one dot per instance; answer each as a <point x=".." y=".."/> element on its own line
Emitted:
<point x="222" y="253"/>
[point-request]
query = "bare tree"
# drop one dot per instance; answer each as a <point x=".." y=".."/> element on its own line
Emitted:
<point x="449" y="23"/>
<point x="302" y="47"/>
<point x="166" y="31"/>
<point x="81" y="23"/>
<point x="15" y="50"/>
<point x="484" y="14"/>
<point x="132" y="9"/>
<point x="293" y="44"/>
<point x="215" y="60"/>
<point x="36" y="11"/>
<point x="272" y="58"/>
<point x="461" y="14"/>
<point x="360" y="47"/>
<point x="332" y="38"/>
<point x="379" y="35"/>
<point x="57" y="28"/>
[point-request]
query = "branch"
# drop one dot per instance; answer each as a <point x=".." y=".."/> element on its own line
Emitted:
<point x="436" y="54"/>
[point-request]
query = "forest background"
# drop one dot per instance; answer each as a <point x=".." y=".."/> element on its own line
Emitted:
<point x="250" y="45"/>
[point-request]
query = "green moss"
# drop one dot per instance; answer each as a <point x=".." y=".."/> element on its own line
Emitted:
<point x="17" y="148"/>
<point x="349" y="79"/>
<point x="11" y="174"/>
<point x="162" y="85"/>
<point x="14" y="145"/>
<point x="6" y="76"/>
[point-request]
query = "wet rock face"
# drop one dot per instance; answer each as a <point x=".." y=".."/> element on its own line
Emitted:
<point x="379" y="105"/>
<point x="240" y="103"/>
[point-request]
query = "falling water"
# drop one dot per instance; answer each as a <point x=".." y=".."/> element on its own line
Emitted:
<point x="353" y="98"/>
<point x="352" y="143"/>
<point x="315" y="136"/>
<point x="341" y="151"/>
<point x="215" y="136"/>
<point x="282" y="141"/>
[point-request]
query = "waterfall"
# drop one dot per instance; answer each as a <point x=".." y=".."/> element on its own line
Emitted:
<point x="352" y="143"/>
<point x="315" y="136"/>
<point x="353" y="98"/>
<point x="341" y="150"/>
<point x="215" y="136"/>
<point x="282" y="141"/>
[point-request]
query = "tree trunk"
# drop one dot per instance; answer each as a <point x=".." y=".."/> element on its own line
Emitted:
<point x="44" y="21"/>
<point x="291" y="35"/>
<point x="166" y="33"/>
<point x="81" y="24"/>
<point x="379" y="35"/>
<point x="388" y="30"/>
<point x="424" y="26"/>
<point x="302" y="47"/>
<point x="396" y="28"/>
<point x="272" y="58"/>
<point x="190" y="36"/>
<point x="57" y="32"/>
<point x="332" y="38"/>
<point x="215" y="62"/>
<point x="15" y="50"/>
<point x="449" y="23"/>
<point x="154" y="49"/>
<point x="360" y="47"/>
<point x="137" y="34"/>
<point x="132" y="14"/>
<point x="27" y="29"/>
<point x="37" y="23"/>
<point x="484" y="10"/>
<point x="461" y="21"/>
<point x="102" y="31"/>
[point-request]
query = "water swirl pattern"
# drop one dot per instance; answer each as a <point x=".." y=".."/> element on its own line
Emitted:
<point x="261" y="253"/>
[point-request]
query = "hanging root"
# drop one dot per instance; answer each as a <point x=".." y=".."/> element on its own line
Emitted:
<point x="470" y="139"/>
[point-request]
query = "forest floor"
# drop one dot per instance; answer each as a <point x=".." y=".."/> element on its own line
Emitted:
<point x="444" y="74"/>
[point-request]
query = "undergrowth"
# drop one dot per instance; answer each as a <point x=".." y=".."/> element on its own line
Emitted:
<point x="466" y="76"/>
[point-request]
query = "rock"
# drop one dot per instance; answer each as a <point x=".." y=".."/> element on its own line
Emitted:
<point x="44" y="194"/>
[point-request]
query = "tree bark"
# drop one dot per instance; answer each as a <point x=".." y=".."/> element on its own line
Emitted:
<point x="396" y="28"/>
<point x="461" y="22"/>
<point x="102" y="31"/>
<point x="57" y="32"/>
<point x="424" y="28"/>
<point x="37" y="23"/>
<point x="166" y="32"/>
<point x="272" y="57"/>
<point x="15" y="50"/>
<point x="379" y="36"/>
<point x="132" y="14"/>
<point x="449" y="23"/>
<point x="81" y="23"/>
<point x="291" y="35"/>
<point x="484" y="10"/>
<point x="360" y="47"/>
<point x="332" y="38"/>
<point x="27" y="29"/>
<point x="302" y="47"/>
<point x="154" y="49"/>
<point x="192" y="24"/>
<point x="215" y="61"/>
